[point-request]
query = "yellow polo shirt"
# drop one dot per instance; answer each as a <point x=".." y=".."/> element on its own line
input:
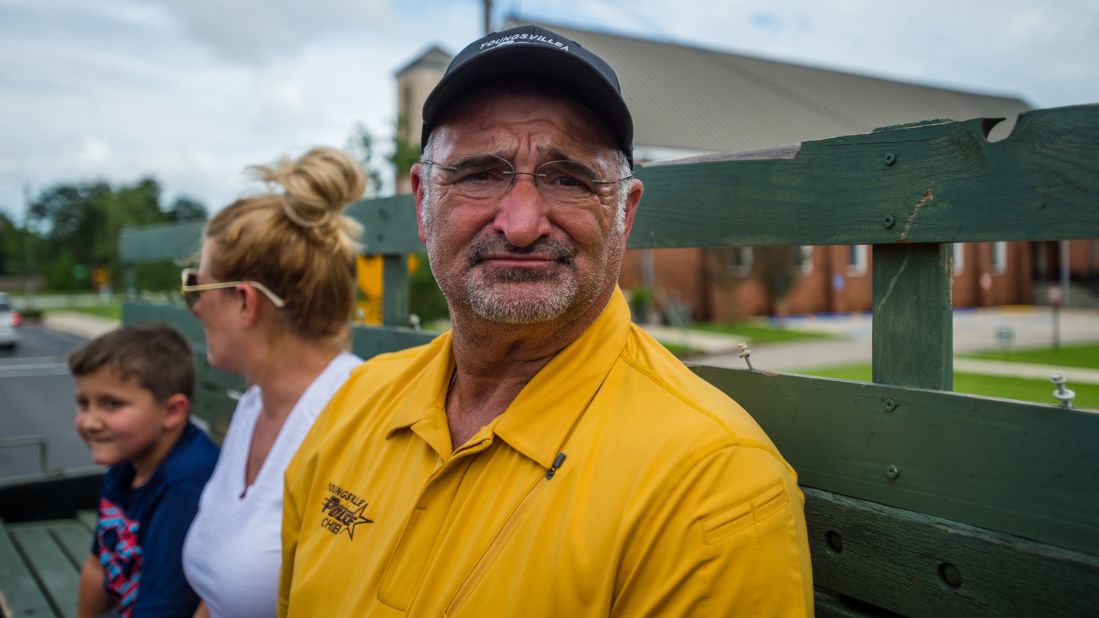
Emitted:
<point x="617" y="483"/>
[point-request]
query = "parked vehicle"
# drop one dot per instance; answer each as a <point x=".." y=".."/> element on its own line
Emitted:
<point x="10" y="320"/>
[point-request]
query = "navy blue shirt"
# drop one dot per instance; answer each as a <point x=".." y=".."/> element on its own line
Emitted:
<point x="139" y="536"/>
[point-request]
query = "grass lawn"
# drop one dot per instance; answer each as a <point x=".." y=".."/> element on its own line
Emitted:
<point x="680" y="350"/>
<point x="760" y="333"/>
<point x="112" y="310"/>
<point x="1077" y="355"/>
<point x="1039" y="391"/>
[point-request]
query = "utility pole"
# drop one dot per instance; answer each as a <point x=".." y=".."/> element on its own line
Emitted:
<point x="488" y="17"/>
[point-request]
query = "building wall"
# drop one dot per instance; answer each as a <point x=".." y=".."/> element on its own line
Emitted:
<point x="831" y="283"/>
<point x="413" y="86"/>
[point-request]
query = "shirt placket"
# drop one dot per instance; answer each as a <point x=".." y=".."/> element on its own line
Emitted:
<point x="426" y="522"/>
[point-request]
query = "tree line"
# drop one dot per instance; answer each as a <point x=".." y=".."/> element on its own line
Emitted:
<point x="69" y="236"/>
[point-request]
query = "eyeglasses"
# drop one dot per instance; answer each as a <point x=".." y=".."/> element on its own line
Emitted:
<point x="486" y="176"/>
<point x="191" y="289"/>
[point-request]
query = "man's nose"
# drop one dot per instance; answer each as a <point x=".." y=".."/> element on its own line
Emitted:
<point x="523" y="215"/>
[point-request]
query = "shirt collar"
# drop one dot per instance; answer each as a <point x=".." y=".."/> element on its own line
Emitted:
<point x="543" y="414"/>
<point x="423" y="409"/>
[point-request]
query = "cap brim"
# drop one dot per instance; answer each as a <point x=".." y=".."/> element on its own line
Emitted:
<point x="569" y="73"/>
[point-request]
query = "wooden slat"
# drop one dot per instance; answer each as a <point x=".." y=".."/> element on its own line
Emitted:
<point x="395" y="290"/>
<point x="946" y="183"/>
<point x="831" y="605"/>
<point x="389" y="225"/>
<point x="174" y="315"/>
<point x="89" y="518"/>
<point x="369" y="341"/>
<point x="1022" y="469"/>
<point x="49" y="564"/>
<point x="74" y="539"/>
<point x="21" y="594"/>
<point x="913" y="316"/>
<point x="160" y="242"/>
<point x="919" y="565"/>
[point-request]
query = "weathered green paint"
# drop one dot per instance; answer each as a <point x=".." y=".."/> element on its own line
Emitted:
<point x="73" y="538"/>
<point x="828" y="604"/>
<point x="395" y="290"/>
<point x="1022" y="469"/>
<point x="389" y="225"/>
<point x="896" y="559"/>
<point x="170" y="241"/>
<point x="370" y="341"/>
<point x="88" y="518"/>
<point x="58" y="578"/>
<point x="20" y="590"/>
<point x="947" y="184"/>
<point x="913" y="316"/>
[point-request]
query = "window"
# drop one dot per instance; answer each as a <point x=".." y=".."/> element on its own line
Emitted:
<point x="803" y="259"/>
<point x="742" y="261"/>
<point x="856" y="260"/>
<point x="999" y="257"/>
<point x="959" y="258"/>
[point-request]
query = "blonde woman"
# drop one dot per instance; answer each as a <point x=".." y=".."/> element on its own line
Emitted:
<point x="274" y="291"/>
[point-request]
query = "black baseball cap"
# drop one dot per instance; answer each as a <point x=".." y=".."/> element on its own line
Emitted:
<point x="543" y="56"/>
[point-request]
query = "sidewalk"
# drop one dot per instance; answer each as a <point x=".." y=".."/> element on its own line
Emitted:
<point x="83" y="325"/>
<point x="974" y="329"/>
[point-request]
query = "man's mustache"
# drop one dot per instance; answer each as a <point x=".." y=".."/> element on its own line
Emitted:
<point x="559" y="251"/>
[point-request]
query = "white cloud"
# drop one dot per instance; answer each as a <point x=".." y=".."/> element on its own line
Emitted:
<point x="259" y="31"/>
<point x="192" y="92"/>
<point x="93" y="153"/>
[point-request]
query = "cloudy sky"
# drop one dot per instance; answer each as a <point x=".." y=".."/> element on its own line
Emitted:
<point x="192" y="91"/>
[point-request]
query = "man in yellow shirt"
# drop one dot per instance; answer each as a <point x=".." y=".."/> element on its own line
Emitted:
<point x="545" y="457"/>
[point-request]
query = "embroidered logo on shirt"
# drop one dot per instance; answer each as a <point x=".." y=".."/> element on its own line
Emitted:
<point x="343" y="511"/>
<point x="120" y="555"/>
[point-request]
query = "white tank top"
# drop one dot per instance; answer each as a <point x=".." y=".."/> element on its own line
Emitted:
<point x="233" y="549"/>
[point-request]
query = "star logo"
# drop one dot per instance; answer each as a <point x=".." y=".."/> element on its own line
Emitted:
<point x="358" y="519"/>
<point x="343" y="510"/>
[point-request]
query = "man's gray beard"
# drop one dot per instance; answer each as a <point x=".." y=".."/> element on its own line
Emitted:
<point x="485" y="292"/>
<point x="486" y="299"/>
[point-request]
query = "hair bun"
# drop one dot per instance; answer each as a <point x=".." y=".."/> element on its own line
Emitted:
<point x="317" y="186"/>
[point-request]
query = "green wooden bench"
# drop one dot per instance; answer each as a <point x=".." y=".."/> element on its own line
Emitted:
<point x="919" y="501"/>
<point x="46" y="527"/>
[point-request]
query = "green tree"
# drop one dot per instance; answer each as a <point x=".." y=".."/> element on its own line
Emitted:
<point x="186" y="209"/>
<point x="405" y="151"/>
<point x="9" y="244"/>
<point x="361" y="145"/>
<point x="776" y="267"/>
<point x="81" y="223"/>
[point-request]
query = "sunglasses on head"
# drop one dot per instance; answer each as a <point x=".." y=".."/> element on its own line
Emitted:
<point x="191" y="289"/>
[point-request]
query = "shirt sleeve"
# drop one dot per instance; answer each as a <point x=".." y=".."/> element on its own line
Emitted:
<point x="729" y="539"/>
<point x="163" y="590"/>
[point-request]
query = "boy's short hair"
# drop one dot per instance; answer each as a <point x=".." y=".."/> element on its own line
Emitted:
<point x="156" y="354"/>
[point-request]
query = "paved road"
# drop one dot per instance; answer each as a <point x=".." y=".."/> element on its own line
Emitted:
<point x="36" y="398"/>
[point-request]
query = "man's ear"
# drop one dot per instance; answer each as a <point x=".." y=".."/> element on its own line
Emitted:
<point x="176" y="410"/>
<point x="418" y="181"/>
<point x="633" y="198"/>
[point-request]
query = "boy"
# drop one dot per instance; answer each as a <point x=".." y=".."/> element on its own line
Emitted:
<point x="133" y="398"/>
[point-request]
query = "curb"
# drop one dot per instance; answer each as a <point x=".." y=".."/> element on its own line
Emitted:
<point x="78" y="324"/>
